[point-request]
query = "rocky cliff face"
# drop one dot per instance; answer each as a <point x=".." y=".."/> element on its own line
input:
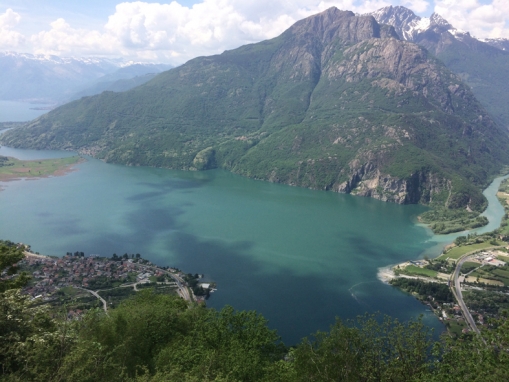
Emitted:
<point x="421" y="187"/>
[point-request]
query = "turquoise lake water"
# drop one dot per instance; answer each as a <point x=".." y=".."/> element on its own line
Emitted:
<point x="299" y="257"/>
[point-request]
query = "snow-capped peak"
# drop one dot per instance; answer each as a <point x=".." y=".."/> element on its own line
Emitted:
<point x="48" y="58"/>
<point x="408" y="25"/>
<point x="420" y="25"/>
<point x="438" y="20"/>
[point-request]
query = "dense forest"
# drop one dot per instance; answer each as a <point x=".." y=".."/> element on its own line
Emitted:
<point x="153" y="337"/>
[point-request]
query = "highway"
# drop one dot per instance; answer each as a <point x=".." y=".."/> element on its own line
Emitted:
<point x="456" y="290"/>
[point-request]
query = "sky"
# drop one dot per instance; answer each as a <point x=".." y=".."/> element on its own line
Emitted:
<point x="176" y="31"/>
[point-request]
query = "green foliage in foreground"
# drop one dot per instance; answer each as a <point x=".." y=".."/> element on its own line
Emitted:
<point x="9" y="256"/>
<point x="153" y="337"/>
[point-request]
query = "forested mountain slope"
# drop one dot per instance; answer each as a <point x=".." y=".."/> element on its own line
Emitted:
<point x="483" y="65"/>
<point x="336" y="102"/>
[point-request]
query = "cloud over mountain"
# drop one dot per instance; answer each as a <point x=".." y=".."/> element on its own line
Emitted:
<point x="9" y="37"/>
<point x="174" y="33"/>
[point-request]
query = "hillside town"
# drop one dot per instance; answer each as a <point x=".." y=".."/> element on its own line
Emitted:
<point x="96" y="274"/>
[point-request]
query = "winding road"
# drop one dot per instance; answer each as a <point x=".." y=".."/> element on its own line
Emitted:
<point x="105" y="305"/>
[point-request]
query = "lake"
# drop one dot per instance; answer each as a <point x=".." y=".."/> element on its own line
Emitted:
<point x="15" y="111"/>
<point x="300" y="257"/>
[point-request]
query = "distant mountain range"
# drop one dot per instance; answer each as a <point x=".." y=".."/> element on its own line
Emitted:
<point x="122" y="79"/>
<point x="55" y="79"/>
<point x="337" y="102"/>
<point x="482" y="64"/>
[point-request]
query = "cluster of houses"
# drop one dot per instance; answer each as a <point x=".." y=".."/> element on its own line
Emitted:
<point x="50" y="274"/>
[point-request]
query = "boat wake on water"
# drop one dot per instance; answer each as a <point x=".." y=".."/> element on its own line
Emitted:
<point x="354" y="296"/>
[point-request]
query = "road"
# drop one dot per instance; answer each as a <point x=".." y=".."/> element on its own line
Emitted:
<point x="183" y="290"/>
<point x="457" y="293"/>
<point x="105" y="306"/>
<point x="456" y="289"/>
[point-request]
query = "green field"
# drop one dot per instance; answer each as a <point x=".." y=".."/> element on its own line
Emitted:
<point x="493" y="273"/>
<point x="456" y="252"/>
<point x="412" y="270"/>
<point x="11" y="168"/>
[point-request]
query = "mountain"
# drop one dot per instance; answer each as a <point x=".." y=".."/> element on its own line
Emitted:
<point x="122" y="79"/>
<point x="337" y="102"/>
<point x="47" y="78"/>
<point x="483" y="65"/>
<point x="500" y="43"/>
<point x="56" y="79"/>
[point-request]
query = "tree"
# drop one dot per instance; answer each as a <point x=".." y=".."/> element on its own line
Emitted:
<point x="32" y="344"/>
<point x="30" y="340"/>
<point x="472" y="360"/>
<point x="9" y="256"/>
<point x="461" y="240"/>
<point x="365" y="350"/>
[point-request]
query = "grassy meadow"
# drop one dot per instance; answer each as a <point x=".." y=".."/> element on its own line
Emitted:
<point x="11" y="168"/>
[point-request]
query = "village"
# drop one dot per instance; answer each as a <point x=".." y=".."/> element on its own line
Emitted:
<point x="95" y="279"/>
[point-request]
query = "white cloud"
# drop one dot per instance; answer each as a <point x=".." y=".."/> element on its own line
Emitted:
<point x="9" y="38"/>
<point x="175" y="33"/>
<point x="63" y="39"/>
<point x="481" y="20"/>
<point x="418" y="6"/>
